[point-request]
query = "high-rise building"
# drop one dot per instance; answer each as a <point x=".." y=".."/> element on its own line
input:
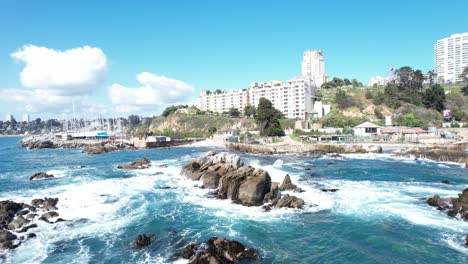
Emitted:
<point x="10" y="118"/>
<point x="451" y="57"/>
<point x="26" y="118"/>
<point x="313" y="67"/>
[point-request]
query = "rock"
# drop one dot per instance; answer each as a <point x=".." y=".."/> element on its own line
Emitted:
<point x="49" y="215"/>
<point x="444" y="182"/>
<point x="246" y="185"/>
<point x="144" y="240"/>
<point x="26" y="228"/>
<point x="210" y="179"/>
<point x="218" y="250"/>
<point x="6" y="239"/>
<point x="374" y="149"/>
<point x="95" y="149"/>
<point x="274" y="195"/>
<point x="17" y="223"/>
<point x="143" y="163"/>
<point x="162" y="165"/>
<point x="287" y="184"/>
<point x="266" y="207"/>
<point x="466" y="241"/>
<point x="191" y="171"/>
<point x="40" y="175"/>
<point x="455" y="206"/>
<point x="45" y="144"/>
<point x="329" y="190"/>
<point x="158" y="173"/>
<point x="298" y="190"/>
<point x="290" y="202"/>
<point x="48" y="204"/>
<point x="307" y="168"/>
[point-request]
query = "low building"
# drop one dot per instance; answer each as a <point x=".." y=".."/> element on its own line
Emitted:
<point x="367" y="129"/>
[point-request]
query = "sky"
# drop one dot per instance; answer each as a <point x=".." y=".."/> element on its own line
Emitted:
<point x="87" y="58"/>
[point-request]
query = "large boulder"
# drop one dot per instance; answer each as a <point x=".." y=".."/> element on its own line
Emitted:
<point x="144" y="240"/>
<point x="41" y="175"/>
<point x="95" y="149"/>
<point x="143" y="163"/>
<point x="218" y="250"/>
<point x="245" y="185"/>
<point x="6" y="239"/>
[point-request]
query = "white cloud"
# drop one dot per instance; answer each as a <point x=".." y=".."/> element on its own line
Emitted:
<point x="153" y="90"/>
<point x="70" y="72"/>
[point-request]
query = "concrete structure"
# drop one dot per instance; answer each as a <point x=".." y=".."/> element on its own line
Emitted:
<point x="221" y="101"/>
<point x="313" y="67"/>
<point x="10" y="118"/>
<point x="378" y="80"/>
<point x="451" y="57"/>
<point x="366" y="129"/>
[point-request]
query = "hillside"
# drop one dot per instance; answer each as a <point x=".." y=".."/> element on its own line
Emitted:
<point x="197" y="125"/>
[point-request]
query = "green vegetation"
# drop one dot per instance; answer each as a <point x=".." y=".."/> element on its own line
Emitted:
<point x="337" y="119"/>
<point x="172" y="109"/>
<point x="249" y="110"/>
<point x="343" y="100"/>
<point x="338" y="83"/>
<point x="234" y="112"/>
<point x="268" y="119"/>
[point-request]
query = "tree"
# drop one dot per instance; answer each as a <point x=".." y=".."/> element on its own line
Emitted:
<point x="212" y="130"/>
<point x="378" y="98"/>
<point x="431" y="77"/>
<point x="328" y="85"/>
<point x="346" y="81"/>
<point x="249" y="110"/>
<point x="464" y="77"/>
<point x="234" y="112"/>
<point x="172" y="109"/>
<point x="368" y="94"/>
<point x="356" y="83"/>
<point x="411" y="121"/>
<point x="343" y="100"/>
<point x="434" y="97"/>
<point x="268" y="118"/>
<point x="409" y="85"/>
<point x="134" y="119"/>
<point x="337" y="81"/>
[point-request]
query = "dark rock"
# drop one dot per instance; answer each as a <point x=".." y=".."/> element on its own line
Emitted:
<point x="266" y="207"/>
<point x="158" y="173"/>
<point x="465" y="240"/>
<point x="287" y="184"/>
<point x="45" y="144"/>
<point x="290" y="202"/>
<point x="48" y="204"/>
<point x="329" y="190"/>
<point x="274" y="195"/>
<point x="6" y="239"/>
<point x="144" y="240"/>
<point x="18" y="222"/>
<point x="26" y="228"/>
<point x="218" y="250"/>
<point x="444" y="182"/>
<point x="31" y="235"/>
<point x="41" y="175"/>
<point x="162" y="165"/>
<point x="95" y="149"/>
<point x="455" y="206"/>
<point x="210" y="179"/>
<point x="49" y="215"/>
<point x="143" y="163"/>
<point x="307" y="168"/>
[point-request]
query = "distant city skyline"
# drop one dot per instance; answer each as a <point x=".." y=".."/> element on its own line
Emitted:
<point x="94" y="59"/>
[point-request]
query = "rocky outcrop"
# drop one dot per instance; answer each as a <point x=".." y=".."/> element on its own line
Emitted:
<point x="41" y="175"/>
<point x="144" y="240"/>
<point x="287" y="184"/>
<point x="17" y="218"/>
<point x="218" y="250"/>
<point x="448" y="154"/>
<point x="106" y="147"/>
<point x="242" y="184"/>
<point x="309" y="149"/>
<point x="143" y="163"/>
<point x="290" y="202"/>
<point x="455" y="206"/>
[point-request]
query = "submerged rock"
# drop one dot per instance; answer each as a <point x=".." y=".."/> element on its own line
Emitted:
<point x="290" y="202"/>
<point x="143" y="163"/>
<point x="218" y="250"/>
<point x="329" y="190"/>
<point x="144" y="240"/>
<point x="41" y="175"/>
<point x="48" y="204"/>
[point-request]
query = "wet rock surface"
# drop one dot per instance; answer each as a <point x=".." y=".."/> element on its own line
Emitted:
<point x="455" y="206"/>
<point x="40" y="175"/>
<point x="144" y="240"/>
<point x="218" y="250"/>
<point x="18" y="217"/>
<point x="143" y="163"/>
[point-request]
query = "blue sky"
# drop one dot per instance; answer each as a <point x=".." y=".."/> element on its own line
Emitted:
<point x="215" y="44"/>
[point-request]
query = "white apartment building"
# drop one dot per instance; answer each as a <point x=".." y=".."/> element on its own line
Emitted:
<point x="378" y="80"/>
<point x="222" y="101"/>
<point x="451" y="57"/>
<point x="294" y="98"/>
<point x="313" y="67"/>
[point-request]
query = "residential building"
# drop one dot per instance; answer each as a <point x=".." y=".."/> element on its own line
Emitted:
<point x="451" y="57"/>
<point x="366" y="129"/>
<point x="378" y="80"/>
<point x="313" y="67"/>
<point x="10" y="118"/>
<point x="221" y="101"/>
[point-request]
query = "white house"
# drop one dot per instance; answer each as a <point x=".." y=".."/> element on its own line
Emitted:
<point x="366" y="129"/>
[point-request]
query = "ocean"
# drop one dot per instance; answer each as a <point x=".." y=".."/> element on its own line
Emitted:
<point x="378" y="215"/>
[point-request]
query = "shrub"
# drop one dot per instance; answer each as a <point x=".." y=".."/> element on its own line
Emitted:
<point x="343" y="100"/>
<point x="368" y="94"/>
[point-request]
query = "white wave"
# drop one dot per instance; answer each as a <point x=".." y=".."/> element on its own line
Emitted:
<point x="278" y="163"/>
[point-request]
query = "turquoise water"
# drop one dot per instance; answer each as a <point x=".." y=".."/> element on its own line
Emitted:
<point x="378" y="215"/>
